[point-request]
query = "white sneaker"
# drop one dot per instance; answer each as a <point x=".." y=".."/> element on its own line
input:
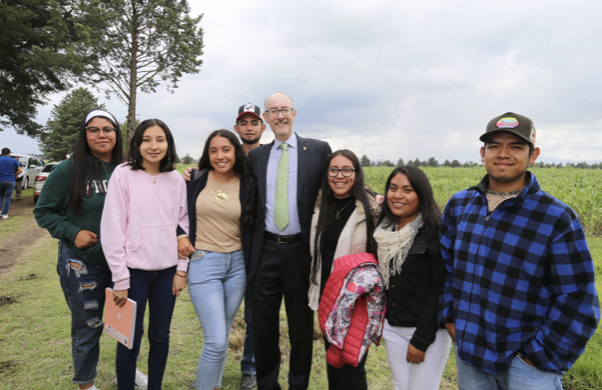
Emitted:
<point x="93" y="388"/>
<point x="141" y="381"/>
<point x="5" y="216"/>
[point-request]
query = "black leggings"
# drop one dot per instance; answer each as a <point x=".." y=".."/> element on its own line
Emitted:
<point x="346" y="377"/>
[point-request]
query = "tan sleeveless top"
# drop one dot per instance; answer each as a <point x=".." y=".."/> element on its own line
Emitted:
<point x="218" y="217"/>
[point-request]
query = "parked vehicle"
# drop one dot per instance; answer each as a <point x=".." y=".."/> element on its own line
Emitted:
<point x="40" y="179"/>
<point x="31" y="168"/>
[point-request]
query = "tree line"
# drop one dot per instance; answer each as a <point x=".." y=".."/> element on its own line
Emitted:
<point x="119" y="47"/>
<point x="432" y="162"/>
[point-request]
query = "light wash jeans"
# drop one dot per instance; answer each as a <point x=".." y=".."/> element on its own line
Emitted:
<point x="520" y="376"/>
<point x="217" y="284"/>
<point x="84" y="289"/>
<point x="247" y="363"/>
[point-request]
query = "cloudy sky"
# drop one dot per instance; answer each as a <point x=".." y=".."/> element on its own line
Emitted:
<point x="391" y="79"/>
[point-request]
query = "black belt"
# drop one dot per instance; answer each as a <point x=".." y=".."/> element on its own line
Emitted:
<point x="283" y="238"/>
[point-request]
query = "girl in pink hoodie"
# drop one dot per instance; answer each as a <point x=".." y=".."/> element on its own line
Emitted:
<point x="144" y="211"/>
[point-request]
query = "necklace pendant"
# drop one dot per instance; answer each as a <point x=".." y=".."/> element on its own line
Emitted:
<point x="154" y="181"/>
<point x="337" y="216"/>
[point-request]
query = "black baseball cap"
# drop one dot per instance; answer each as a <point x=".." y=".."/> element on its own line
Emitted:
<point x="251" y="109"/>
<point x="516" y="124"/>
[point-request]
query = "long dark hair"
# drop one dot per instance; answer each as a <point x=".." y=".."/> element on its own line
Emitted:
<point x="241" y="168"/>
<point x="327" y="211"/>
<point x="431" y="215"/>
<point x="85" y="165"/>
<point x="168" y="163"/>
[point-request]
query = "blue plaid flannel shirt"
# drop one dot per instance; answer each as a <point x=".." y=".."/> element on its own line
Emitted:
<point x="520" y="280"/>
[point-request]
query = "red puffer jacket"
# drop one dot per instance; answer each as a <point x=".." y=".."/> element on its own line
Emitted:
<point x="352" y="309"/>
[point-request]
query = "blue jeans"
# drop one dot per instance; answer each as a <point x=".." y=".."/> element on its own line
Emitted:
<point x="247" y="364"/>
<point x="156" y="287"/>
<point x="520" y="376"/>
<point x="6" y="194"/>
<point x="217" y="283"/>
<point x="84" y="287"/>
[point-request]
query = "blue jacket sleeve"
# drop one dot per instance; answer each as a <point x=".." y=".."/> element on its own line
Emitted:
<point x="575" y="312"/>
<point x="446" y="238"/>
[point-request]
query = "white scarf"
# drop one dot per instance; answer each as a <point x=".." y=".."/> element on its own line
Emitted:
<point x="393" y="246"/>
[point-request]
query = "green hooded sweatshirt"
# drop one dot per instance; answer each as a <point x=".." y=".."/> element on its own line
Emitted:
<point x="53" y="212"/>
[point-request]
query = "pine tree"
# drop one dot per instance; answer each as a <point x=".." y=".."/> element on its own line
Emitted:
<point x="60" y="133"/>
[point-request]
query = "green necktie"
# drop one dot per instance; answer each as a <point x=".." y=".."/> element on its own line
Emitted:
<point x="281" y="203"/>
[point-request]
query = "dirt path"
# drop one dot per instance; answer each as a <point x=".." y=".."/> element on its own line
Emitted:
<point x="28" y="233"/>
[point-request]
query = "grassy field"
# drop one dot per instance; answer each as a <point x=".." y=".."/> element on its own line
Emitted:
<point x="35" y="350"/>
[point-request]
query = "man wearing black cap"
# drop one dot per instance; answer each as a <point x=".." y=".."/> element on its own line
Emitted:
<point x="249" y="126"/>
<point x="520" y="301"/>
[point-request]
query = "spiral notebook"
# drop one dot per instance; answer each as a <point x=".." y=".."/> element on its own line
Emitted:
<point x="120" y="322"/>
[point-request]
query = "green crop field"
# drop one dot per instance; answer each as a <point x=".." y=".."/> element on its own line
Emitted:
<point x="579" y="188"/>
<point x="35" y="351"/>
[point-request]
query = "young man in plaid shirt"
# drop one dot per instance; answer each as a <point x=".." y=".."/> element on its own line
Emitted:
<point x="520" y="302"/>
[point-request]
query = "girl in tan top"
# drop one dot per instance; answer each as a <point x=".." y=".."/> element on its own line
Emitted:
<point x="219" y="200"/>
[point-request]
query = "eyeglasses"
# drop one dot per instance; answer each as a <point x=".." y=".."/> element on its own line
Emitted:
<point x="285" y="111"/>
<point x="108" y="130"/>
<point x="334" y="172"/>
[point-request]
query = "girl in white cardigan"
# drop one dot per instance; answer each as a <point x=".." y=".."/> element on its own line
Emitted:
<point x="342" y="224"/>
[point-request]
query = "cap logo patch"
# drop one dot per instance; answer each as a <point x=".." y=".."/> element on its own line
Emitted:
<point x="249" y="107"/>
<point x="507" y="123"/>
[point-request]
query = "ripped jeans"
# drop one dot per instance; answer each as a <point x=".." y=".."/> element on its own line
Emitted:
<point x="84" y="288"/>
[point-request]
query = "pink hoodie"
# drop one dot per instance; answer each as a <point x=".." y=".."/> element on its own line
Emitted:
<point x="139" y="222"/>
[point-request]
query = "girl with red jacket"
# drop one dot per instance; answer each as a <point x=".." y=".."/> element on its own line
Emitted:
<point x="342" y="224"/>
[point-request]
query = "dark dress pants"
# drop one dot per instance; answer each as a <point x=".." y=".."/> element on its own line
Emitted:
<point x="280" y="273"/>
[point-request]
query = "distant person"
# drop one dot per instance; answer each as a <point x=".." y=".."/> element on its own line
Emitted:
<point x="220" y="202"/>
<point x="9" y="170"/>
<point x="42" y="161"/>
<point x="343" y="223"/>
<point x="141" y="247"/>
<point x="520" y="299"/>
<point x="70" y="207"/>
<point x="410" y="260"/>
<point x="18" y="183"/>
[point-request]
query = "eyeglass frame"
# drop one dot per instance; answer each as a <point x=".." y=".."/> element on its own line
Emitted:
<point x="340" y="170"/>
<point x="97" y="133"/>
<point x="268" y="112"/>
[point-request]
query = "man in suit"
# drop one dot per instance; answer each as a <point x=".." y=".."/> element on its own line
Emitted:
<point x="289" y="173"/>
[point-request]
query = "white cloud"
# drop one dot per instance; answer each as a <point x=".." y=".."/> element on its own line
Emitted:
<point x="396" y="79"/>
